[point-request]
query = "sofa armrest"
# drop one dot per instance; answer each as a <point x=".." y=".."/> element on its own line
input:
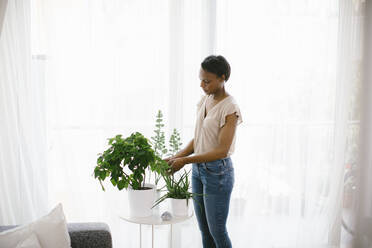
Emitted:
<point x="6" y="228"/>
<point x="90" y="235"/>
<point x="85" y="235"/>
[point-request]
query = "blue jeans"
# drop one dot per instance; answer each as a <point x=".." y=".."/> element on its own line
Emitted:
<point x="215" y="180"/>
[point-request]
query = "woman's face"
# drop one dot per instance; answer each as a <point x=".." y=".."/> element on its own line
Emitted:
<point x="210" y="82"/>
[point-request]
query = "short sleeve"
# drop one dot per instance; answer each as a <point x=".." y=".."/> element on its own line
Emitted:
<point x="230" y="109"/>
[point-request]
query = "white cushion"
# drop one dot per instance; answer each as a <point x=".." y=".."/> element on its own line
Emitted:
<point x="30" y="242"/>
<point x="51" y="231"/>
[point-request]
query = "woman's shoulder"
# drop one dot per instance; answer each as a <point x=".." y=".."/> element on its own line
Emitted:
<point x="228" y="108"/>
<point x="229" y="104"/>
<point x="230" y="100"/>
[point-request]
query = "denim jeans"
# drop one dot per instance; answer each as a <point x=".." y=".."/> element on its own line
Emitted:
<point x="215" y="180"/>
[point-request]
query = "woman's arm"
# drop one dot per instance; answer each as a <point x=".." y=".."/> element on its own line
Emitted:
<point x="225" y="139"/>
<point x="189" y="149"/>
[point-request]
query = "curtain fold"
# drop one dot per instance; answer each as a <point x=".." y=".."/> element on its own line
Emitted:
<point x="3" y="4"/>
<point x="23" y="177"/>
<point x="361" y="221"/>
<point x="349" y="58"/>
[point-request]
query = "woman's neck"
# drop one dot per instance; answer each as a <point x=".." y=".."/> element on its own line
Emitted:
<point x="220" y="95"/>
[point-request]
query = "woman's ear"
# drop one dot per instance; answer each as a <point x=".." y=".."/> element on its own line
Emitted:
<point x="223" y="77"/>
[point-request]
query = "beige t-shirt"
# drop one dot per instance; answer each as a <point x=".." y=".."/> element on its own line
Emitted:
<point x="207" y="129"/>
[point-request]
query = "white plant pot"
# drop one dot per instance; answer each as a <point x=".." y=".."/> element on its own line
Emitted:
<point x="180" y="207"/>
<point x="141" y="201"/>
<point x="157" y="196"/>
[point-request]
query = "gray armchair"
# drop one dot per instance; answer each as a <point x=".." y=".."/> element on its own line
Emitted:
<point x="85" y="235"/>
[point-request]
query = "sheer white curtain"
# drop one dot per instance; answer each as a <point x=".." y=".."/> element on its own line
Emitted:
<point x="295" y="66"/>
<point x="112" y="64"/>
<point x="108" y="72"/>
<point x="23" y="170"/>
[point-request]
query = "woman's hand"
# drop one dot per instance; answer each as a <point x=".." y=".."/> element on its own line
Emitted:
<point x="175" y="163"/>
<point x="168" y="158"/>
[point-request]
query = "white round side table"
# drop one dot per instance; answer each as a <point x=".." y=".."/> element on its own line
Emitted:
<point x="153" y="220"/>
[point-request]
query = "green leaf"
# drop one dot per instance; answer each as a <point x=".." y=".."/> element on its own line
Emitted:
<point x="113" y="181"/>
<point x="121" y="184"/>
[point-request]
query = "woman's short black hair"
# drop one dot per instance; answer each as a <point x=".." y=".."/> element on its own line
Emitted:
<point x="217" y="65"/>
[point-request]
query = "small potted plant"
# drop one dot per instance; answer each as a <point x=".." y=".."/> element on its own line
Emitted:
<point x="178" y="193"/>
<point x="125" y="162"/>
<point x="177" y="189"/>
<point x="160" y="148"/>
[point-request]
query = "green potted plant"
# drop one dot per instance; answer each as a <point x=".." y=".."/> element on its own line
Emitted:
<point x="125" y="162"/>
<point x="178" y="193"/>
<point x="159" y="144"/>
<point x="177" y="190"/>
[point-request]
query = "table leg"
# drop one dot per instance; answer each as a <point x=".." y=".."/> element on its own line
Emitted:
<point x="152" y="235"/>
<point x="140" y="236"/>
<point x="171" y="236"/>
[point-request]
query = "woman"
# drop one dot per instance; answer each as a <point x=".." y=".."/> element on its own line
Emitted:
<point x="212" y="169"/>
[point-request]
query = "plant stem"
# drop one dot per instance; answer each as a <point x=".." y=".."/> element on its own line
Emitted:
<point x="144" y="179"/>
